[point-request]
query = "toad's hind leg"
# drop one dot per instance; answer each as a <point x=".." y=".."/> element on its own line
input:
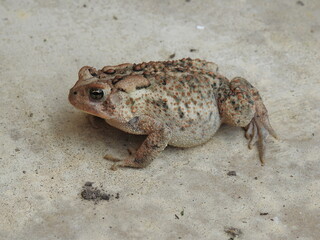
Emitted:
<point x="242" y="106"/>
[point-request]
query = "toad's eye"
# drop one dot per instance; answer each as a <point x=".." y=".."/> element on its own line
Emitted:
<point x="96" y="93"/>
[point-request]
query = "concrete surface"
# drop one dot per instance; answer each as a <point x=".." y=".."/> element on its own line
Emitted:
<point x="49" y="150"/>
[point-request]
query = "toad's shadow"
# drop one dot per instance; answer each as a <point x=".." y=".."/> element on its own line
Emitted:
<point x="76" y="127"/>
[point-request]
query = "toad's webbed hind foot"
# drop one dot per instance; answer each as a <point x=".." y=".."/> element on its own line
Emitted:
<point x="242" y="106"/>
<point x="257" y="131"/>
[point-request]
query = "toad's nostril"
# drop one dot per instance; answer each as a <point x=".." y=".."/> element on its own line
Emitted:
<point x="75" y="93"/>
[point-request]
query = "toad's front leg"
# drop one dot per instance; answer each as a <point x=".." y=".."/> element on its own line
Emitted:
<point x="158" y="136"/>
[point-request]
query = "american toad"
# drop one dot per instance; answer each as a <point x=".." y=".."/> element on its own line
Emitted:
<point x="181" y="103"/>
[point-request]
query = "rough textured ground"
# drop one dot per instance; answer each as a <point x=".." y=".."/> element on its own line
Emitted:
<point x="49" y="150"/>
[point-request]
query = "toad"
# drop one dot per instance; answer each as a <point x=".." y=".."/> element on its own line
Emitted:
<point x="180" y="103"/>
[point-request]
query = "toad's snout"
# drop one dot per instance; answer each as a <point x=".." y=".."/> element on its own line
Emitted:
<point x="72" y="96"/>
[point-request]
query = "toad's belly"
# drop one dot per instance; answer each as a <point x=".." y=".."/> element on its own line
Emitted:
<point x="196" y="134"/>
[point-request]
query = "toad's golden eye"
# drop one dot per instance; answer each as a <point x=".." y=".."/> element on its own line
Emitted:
<point x="96" y="93"/>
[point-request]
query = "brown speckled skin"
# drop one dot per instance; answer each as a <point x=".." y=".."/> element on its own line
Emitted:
<point x="180" y="103"/>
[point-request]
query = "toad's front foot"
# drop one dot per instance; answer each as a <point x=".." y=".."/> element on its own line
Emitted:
<point x="158" y="137"/>
<point x="130" y="162"/>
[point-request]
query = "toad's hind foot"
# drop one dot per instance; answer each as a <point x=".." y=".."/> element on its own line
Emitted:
<point x="257" y="130"/>
<point x="241" y="105"/>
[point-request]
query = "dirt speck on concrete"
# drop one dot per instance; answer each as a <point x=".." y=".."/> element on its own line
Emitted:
<point x="233" y="232"/>
<point x="172" y="55"/>
<point x="91" y="193"/>
<point x="232" y="173"/>
<point x="263" y="213"/>
<point x="300" y="3"/>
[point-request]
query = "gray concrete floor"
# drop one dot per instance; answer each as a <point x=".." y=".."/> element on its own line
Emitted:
<point x="49" y="149"/>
